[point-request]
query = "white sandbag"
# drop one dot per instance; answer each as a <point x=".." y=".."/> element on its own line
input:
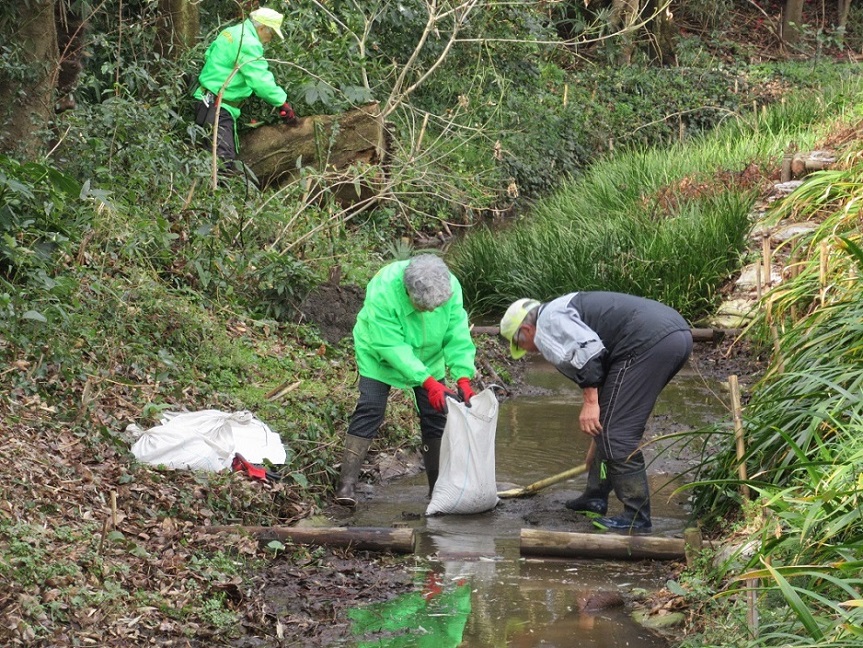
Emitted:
<point x="255" y="440"/>
<point x="208" y="440"/>
<point x="466" y="482"/>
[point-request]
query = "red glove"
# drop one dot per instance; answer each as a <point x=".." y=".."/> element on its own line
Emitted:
<point x="465" y="390"/>
<point x="287" y="114"/>
<point x="437" y="393"/>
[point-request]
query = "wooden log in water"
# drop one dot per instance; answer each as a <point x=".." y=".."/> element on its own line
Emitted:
<point x="560" y="544"/>
<point x="364" y="538"/>
<point x="698" y="334"/>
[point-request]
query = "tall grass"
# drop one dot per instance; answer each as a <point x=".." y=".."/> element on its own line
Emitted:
<point x="804" y="427"/>
<point x="669" y="224"/>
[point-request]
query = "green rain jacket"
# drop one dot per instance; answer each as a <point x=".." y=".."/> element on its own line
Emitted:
<point x="239" y="46"/>
<point x="400" y="346"/>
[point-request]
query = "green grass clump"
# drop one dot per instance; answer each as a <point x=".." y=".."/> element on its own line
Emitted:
<point x="802" y="427"/>
<point x="669" y="223"/>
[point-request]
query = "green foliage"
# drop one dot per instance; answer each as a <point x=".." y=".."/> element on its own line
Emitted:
<point x="282" y="282"/>
<point x="802" y="428"/>
<point x="620" y="226"/>
<point x="129" y="286"/>
<point x="36" y="222"/>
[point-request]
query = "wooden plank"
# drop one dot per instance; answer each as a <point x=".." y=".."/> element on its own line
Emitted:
<point x="364" y="538"/>
<point x="561" y="544"/>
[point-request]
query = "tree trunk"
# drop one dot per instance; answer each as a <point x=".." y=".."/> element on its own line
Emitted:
<point x="624" y="15"/>
<point x="27" y="106"/>
<point x="662" y="31"/>
<point x="178" y="26"/>
<point x="792" y="21"/>
<point x="842" y="13"/>
<point x="329" y="143"/>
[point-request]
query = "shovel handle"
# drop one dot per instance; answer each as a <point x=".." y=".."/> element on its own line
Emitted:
<point x="548" y="481"/>
<point x="542" y="483"/>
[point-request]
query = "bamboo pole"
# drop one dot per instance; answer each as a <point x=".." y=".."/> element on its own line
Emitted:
<point x="739" y="440"/>
<point x="364" y="538"/>
<point x="774" y="335"/>
<point x="822" y="271"/>
<point x="543" y="483"/>
<point x="758" y="279"/>
<point x="560" y="544"/>
<point x="768" y="261"/>
<point x="752" y="585"/>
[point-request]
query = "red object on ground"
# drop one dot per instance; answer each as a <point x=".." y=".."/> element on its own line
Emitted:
<point x="240" y="464"/>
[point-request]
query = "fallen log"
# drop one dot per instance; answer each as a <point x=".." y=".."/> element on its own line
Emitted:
<point x="364" y="538"/>
<point x="329" y="143"/>
<point x="698" y="334"/>
<point x="560" y="544"/>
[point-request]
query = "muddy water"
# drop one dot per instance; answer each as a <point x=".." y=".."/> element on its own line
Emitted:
<point x="481" y="593"/>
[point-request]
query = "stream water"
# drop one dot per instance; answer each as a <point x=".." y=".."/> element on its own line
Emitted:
<point x="481" y="592"/>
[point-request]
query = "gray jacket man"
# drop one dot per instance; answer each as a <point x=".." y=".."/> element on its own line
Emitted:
<point x="622" y="351"/>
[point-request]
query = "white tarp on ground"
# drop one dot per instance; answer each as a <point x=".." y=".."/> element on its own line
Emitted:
<point x="466" y="482"/>
<point x="207" y="440"/>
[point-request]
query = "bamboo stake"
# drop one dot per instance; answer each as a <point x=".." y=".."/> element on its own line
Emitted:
<point x="758" y="279"/>
<point x="822" y="271"/>
<point x="752" y="606"/>
<point x="739" y="441"/>
<point x="768" y="261"/>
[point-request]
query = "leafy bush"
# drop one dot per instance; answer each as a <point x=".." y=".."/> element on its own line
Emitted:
<point x="36" y="223"/>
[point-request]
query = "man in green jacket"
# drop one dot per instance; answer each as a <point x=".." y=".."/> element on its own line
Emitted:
<point x="411" y="329"/>
<point x="234" y="65"/>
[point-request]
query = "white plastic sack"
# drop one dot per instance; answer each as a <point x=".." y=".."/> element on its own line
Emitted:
<point x="208" y="440"/>
<point x="466" y="481"/>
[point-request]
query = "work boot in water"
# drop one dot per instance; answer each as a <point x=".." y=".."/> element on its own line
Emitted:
<point x="356" y="449"/>
<point x="431" y="459"/>
<point x="594" y="499"/>
<point x="633" y="491"/>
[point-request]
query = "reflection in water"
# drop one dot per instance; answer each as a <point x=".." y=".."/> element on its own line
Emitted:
<point x="492" y="595"/>
<point x="434" y="617"/>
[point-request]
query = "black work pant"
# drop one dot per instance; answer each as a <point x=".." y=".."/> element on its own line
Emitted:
<point x="226" y="145"/>
<point x="628" y="396"/>
<point x="371" y="407"/>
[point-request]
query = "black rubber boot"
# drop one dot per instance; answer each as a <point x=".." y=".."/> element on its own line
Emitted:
<point x="356" y="449"/>
<point x="631" y="489"/>
<point x="594" y="499"/>
<point x="431" y="459"/>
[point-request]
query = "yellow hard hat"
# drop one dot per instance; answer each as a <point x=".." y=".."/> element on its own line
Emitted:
<point x="511" y="322"/>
